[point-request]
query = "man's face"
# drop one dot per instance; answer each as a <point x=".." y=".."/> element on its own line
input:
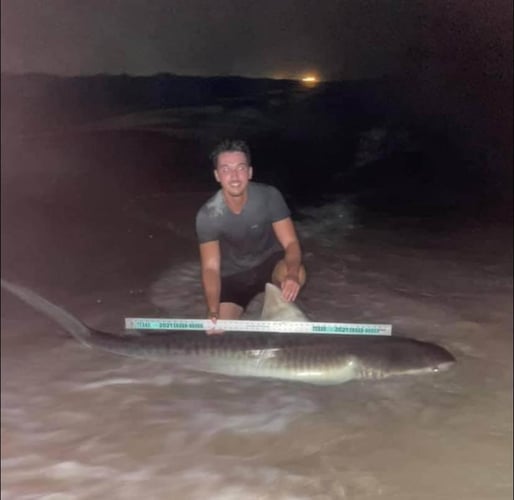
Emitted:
<point x="233" y="172"/>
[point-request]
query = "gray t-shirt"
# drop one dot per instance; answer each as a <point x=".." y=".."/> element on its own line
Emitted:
<point x="246" y="239"/>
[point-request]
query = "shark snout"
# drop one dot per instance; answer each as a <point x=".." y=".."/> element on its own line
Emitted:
<point x="439" y="359"/>
<point x="442" y="367"/>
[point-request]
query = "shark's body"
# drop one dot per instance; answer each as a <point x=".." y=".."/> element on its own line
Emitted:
<point x="316" y="359"/>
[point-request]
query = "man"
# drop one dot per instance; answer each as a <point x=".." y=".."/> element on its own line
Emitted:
<point x="246" y="237"/>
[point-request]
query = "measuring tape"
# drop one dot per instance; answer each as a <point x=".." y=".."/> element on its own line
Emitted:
<point x="238" y="325"/>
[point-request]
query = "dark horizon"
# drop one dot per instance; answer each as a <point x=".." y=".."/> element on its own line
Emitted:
<point x="288" y="124"/>
<point x="180" y="75"/>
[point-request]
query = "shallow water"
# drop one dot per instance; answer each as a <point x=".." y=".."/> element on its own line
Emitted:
<point x="83" y="424"/>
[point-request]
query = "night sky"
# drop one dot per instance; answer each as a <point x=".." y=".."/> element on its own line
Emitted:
<point x="334" y="39"/>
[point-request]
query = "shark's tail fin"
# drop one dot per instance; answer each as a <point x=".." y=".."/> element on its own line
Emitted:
<point x="71" y="324"/>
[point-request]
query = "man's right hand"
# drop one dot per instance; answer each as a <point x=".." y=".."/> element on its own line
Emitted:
<point x="213" y="318"/>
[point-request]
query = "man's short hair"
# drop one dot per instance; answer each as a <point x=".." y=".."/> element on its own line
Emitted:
<point x="230" y="145"/>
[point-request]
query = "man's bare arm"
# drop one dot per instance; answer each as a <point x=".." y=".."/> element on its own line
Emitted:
<point x="210" y="262"/>
<point x="286" y="234"/>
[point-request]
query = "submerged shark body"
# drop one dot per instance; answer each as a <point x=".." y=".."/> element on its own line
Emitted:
<point x="310" y="358"/>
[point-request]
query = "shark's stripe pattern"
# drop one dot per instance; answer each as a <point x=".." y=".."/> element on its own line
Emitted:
<point x="315" y="359"/>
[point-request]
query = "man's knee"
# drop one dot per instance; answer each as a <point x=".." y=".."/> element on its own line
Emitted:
<point x="280" y="272"/>
<point x="230" y="310"/>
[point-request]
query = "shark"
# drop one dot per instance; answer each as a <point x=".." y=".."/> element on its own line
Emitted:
<point x="319" y="359"/>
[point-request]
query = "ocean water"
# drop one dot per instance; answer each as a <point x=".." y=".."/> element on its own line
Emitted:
<point x="83" y="424"/>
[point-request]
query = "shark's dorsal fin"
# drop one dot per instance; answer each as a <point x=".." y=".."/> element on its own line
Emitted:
<point x="276" y="308"/>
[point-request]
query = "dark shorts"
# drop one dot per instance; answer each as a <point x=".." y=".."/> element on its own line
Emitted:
<point x="242" y="287"/>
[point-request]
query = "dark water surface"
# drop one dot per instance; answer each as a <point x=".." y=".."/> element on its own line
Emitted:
<point x="103" y="225"/>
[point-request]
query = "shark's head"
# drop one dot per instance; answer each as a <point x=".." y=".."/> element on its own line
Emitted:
<point x="276" y="308"/>
<point x="406" y="357"/>
<point x="383" y="357"/>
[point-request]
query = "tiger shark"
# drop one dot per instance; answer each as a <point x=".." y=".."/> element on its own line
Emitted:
<point x="322" y="359"/>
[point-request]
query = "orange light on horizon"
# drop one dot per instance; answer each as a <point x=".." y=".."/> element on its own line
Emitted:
<point x="310" y="80"/>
